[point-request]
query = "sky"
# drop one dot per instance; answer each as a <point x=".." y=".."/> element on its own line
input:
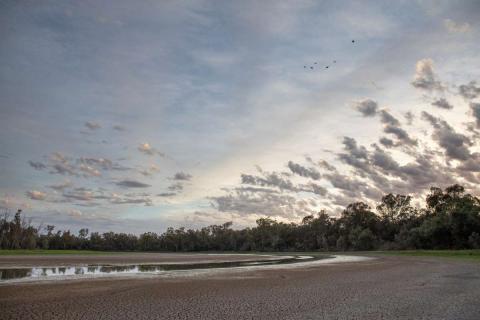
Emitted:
<point x="136" y="116"/>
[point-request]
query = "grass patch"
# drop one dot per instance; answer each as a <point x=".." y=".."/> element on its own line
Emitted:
<point x="455" y="254"/>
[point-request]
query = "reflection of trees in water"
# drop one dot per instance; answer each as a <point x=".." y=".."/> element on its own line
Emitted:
<point x="149" y="268"/>
<point x="108" y="269"/>
<point x="14" y="273"/>
<point x="6" y="274"/>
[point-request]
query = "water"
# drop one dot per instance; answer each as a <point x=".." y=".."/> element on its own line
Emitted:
<point x="72" y="272"/>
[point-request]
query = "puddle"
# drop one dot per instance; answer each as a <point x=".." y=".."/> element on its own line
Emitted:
<point x="74" y="272"/>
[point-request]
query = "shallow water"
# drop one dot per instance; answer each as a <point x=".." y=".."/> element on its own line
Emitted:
<point x="72" y="272"/>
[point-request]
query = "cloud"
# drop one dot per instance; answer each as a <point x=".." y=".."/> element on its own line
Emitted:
<point x="177" y="186"/>
<point x="350" y="145"/>
<point x="61" y="186"/>
<point x="387" y="118"/>
<point x="386" y="142"/>
<point x="367" y="107"/>
<point x="89" y="170"/>
<point x="454" y="144"/>
<point x="89" y="197"/>
<point x="84" y="166"/>
<point x="425" y="77"/>
<point x="475" y="107"/>
<point x="166" y="194"/>
<point x="130" y="200"/>
<point x="469" y="91"/>
<point x="132" y="184"/>
<point x="119" y="128"/>
<point x="92" y="125"/>
<point x="302" y="171"/>
<point x="60" y="164"/>
<point x="150" y="170"/>
<point x="409" y="116"/>
<point x="182" y="176"/>
<point x="442" y="104"/>
<point x="325" y="165"/>
<point x="269" y="179"/>
<point x="455" y="27"/>
<point x="345" y="183"/>
<point x="37" y="165"/>
<point x="317" y="189"/>
<point x="147" y="149"/>
<point x="36" y="195"/>
<point x="261" y="202"/>
<point x="383" y="160"/>
<point x="400" y="133"/>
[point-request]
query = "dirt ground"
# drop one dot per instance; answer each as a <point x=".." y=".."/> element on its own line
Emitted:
<point x="384" y="288"/>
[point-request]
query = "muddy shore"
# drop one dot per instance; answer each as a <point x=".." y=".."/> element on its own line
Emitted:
<point x="384" y="288"/>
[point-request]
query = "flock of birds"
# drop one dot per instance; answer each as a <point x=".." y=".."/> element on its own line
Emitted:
<point x="316" y="63"/>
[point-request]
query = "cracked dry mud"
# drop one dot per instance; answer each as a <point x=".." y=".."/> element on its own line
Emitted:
<point x="384" y="288"/>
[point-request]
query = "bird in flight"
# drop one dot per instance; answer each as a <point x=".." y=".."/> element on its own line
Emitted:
<point x="326" y="67"/>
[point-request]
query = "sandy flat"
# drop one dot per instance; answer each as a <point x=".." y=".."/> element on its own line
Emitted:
<point x="384" y="288"/>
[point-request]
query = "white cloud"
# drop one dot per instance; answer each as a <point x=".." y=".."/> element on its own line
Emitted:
<point x="455" y="27"/>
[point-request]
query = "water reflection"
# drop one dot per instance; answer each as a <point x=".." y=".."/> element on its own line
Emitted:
<point x="75" y="271"/>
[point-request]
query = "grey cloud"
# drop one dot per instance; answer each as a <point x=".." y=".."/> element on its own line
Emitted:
<point x="63" y="169"/>
<point x="475" y="107"/>
<point x="386" y="142"/>
<point x="400" y="133"/>
<point x="454" y="144"/>
<point x="37" y="165"/>
<point x="350" y="145"/>
<point x="303" y="171"/>
<point x="166" y="194"/>
<point x="119" y="128"/>
<point x="61" y="186"/>
<point x="88" y="197"/>
<point x="345" y="183"/>
<point x="469" y="91"/>
<point x="84" y="166"/>
<point x="99" y="164"/>
<point x="425" y="77"/>
<point x="442" y="103"/>
<point x="132" y="184"/>
<point x="325" y="165"/>
<point x="176" y="187"/>
<point x="383" y="160"/>
<point x="409" y="116"/>
<point x="317" y="189"/>
<point x="367" y="107"/>
<point x="145" y="201"/>
<point x="355" y="156"/>
<point x="92" y="125"/>
<point x="263" y="203"/>
<point x="472" y="164"/>
<point x="149" y="171"/>
<point x="388" y="119"/>
<point x="269" y="179"/>
<point x="182" y="176"/>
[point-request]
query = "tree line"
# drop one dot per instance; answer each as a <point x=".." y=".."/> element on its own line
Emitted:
<point x="450" y="219"/>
